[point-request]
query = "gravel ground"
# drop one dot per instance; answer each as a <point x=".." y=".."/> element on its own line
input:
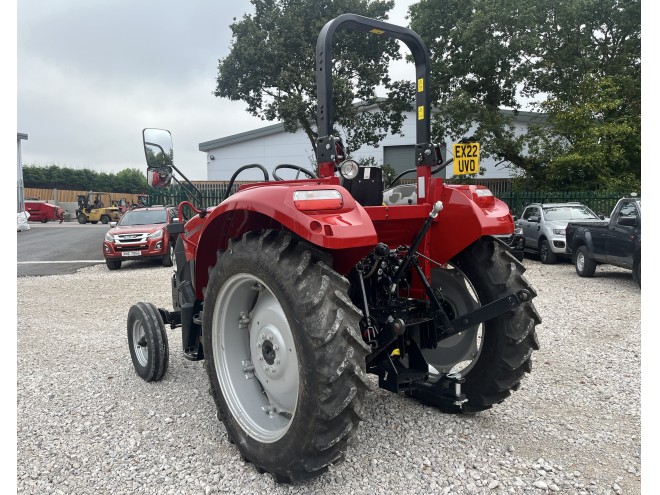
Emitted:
<point x="87" y="424"/>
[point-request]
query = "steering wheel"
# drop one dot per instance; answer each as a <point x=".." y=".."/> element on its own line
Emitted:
<point x="308" y="173"/>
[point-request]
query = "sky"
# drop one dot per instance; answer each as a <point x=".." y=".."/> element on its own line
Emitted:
<point x="92" y="75"/>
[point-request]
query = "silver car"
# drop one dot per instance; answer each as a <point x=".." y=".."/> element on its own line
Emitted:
<point x="544" y="227"/>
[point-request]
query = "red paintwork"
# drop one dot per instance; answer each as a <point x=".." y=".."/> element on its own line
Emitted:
<point x="349" y="233"/>
<point x="40" y="211"/>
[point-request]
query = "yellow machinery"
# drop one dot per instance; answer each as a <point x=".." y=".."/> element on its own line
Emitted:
<point x="92" y="209"/>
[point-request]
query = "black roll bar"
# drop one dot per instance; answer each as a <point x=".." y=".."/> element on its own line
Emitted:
<point x="325" y="149"/>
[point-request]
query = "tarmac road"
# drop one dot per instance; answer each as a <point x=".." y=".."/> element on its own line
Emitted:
<point x="54" y="249"/>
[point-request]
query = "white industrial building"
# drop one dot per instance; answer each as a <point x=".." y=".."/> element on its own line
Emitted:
<point x="272" y="145"/>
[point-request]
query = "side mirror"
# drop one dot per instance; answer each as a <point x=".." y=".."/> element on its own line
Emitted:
<point x="159" y="155"/>
<point x="627" y="221"/>
<point x="534" y="218"/>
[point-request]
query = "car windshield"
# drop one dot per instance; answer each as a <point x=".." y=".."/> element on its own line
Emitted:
<point x="143" y="217"/>
<point x="577" y="212"/>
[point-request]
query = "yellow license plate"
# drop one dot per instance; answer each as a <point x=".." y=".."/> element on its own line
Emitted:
<point x="466" y="158"/>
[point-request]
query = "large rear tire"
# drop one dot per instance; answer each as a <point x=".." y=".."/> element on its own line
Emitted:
<point x="284" y="358"/>
<point x="493" y="357"/>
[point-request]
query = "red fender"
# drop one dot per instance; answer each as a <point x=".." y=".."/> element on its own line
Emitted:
<point x="346" y="232"/>
<point x="465" y="218"/>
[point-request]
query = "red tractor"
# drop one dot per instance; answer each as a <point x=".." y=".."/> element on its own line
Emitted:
<point x="292" y="291"/>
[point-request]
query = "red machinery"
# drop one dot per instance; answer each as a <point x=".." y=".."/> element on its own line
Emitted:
<point x="292" y="291"/>
<point x="41" y="211"/>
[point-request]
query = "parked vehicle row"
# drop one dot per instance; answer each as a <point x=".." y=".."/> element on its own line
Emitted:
<point x="573" y="231"/>
<point x="544" y="227"/>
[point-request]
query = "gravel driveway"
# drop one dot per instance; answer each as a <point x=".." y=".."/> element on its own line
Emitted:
<point x="87" y="424"/>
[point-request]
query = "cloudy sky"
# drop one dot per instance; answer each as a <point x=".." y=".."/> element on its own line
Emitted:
<point x="93" y="74"/>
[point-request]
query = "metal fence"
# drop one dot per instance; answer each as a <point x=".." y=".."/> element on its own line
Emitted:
<point x="601" y="202"/>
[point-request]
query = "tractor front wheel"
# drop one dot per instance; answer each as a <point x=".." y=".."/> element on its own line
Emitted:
<point x="492" y="357"/>
<point x="147" y="341"/>
<point x="82" y="219"/>
<point x="284" y="358"/>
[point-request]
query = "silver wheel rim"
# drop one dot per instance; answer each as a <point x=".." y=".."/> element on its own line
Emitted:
<point x="579" y="262"/>
<point x="460" y="352"/>
<point x="255" y="357"/>
<point x="544" y="250"/>
<point x="140" y="344"/>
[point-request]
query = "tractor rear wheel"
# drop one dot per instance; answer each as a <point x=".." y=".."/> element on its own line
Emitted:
<point x="147" y="341"/>
<point x="494" y="356"/>
<point x="105" y="219"/>
<point x="284" y="358"/>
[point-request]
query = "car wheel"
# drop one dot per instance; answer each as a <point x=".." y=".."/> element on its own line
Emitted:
<point x="168" y="259"/>
<point x="584" y="266"/>
<point x="113" y="264"/>
<point x="546" y="254"/>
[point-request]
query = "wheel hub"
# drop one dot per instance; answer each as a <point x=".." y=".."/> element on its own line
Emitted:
<point x="268" y="351"/>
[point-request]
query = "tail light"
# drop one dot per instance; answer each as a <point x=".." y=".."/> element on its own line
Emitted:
<point x="321" y="199"/>
<point x="483" y="197"/>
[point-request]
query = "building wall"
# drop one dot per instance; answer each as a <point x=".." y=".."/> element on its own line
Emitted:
<point x="269" y="151"/>
<point x="295" y="148"/>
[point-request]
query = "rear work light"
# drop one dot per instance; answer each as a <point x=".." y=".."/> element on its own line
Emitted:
<point x="321" y="199"/>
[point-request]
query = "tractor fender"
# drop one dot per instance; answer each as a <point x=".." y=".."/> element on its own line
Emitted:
<point x="346" y="233"/>
<point x="463" y="221"/>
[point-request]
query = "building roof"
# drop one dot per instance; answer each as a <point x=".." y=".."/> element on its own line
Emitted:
<point x="241" y="136"/>
<point x="522" y="116"/>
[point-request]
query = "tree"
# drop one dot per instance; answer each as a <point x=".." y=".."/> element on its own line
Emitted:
<point x="131" y="181"/>
<point x="271" y="66"/>
<point x="578" y="61"/>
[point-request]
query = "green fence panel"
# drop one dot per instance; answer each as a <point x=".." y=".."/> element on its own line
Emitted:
<point x="601" y="202"/>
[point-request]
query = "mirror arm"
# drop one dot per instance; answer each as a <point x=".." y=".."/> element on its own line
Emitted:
<point x="187" y="185"/>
